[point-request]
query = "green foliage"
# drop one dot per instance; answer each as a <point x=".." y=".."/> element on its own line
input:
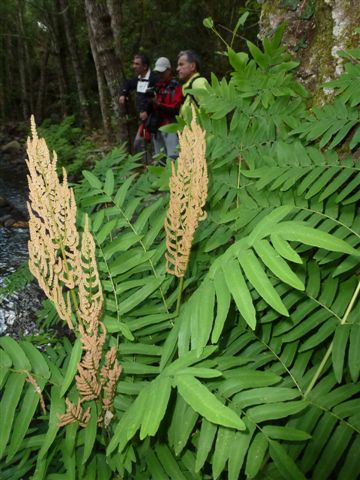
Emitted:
<point x="332" y="122"/>
<point x="336" y="120"/>
<point x="68" y="142"/>
<point x="257" y="377"/>
<point x="16" y="280"/>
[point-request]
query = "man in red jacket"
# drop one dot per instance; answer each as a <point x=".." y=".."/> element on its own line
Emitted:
<point x="166" y="103"/>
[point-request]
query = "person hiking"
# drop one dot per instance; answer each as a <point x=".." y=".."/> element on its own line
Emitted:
<point x="143" y="80"/>
<point x="188" y="72"/>
<point x="166" y="100"/>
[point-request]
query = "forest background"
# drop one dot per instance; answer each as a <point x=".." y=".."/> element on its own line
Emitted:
<point x="60" y="57"/>
<point x="247" y="366"/>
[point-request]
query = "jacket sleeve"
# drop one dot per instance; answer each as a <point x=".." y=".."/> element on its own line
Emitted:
<point x="128" y="86"/>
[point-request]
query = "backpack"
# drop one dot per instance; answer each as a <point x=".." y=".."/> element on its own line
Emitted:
<point x="153" y="121"/>
<point x="170" y="88"/>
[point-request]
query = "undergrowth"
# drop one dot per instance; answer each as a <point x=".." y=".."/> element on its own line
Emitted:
<point x="69" y="142"/>
<point x="256" y="375"/>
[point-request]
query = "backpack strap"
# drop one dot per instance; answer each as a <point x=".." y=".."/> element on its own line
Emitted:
<point x="170" y="88"/>
<point x="192" y="98"/>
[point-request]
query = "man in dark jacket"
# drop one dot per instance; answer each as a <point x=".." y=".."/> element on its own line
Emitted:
<point x="144" y="79"/>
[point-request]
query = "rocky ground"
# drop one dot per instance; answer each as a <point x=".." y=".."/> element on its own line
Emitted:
<point x="17" y="309"/>
<point x="12" y="172"/>
<point x="11" y="217"/>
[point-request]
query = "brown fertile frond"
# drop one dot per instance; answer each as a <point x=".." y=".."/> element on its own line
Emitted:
<point x="90" y="291"/>
<point x="53" y="246"/>
<point x="68" y="275"/>
<point x="87" y="384"/>
<point x="188" y="192"/>
<point x="87" y="380"/>
<point x="93" y="348"/>
<point x="109" y="390"/>
<point x="37" y="389"/>
<point x="74" y="413"/>
<point x="110" y="374"/>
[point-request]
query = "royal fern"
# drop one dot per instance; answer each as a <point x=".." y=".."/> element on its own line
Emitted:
<point x="258" y="375"/>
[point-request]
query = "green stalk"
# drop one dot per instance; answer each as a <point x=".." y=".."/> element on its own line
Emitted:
<point x="329" y="350"/>
<point x="178" y="303"/>
<point x="220" y="37"/>
<point x="238" y="183"/>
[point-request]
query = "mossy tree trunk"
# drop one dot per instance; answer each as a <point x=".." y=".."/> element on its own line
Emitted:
<point x="99" y="21"/>
<point x="61" y="56"/>
<point x="41" y="94"/>
<point x="315" y="32"/>
<point x="101" y="84"/>
<point x="24" y="51"/>
<point x="75" y="57"/>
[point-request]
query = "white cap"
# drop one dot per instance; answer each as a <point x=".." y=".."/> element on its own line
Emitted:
<point x="162" y="64"/>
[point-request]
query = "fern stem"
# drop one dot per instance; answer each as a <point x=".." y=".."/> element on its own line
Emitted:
<point x="330" y="217"/>
<point x="238" y="183"/>
<point x="329" y="350"/>
<point x="111" y="281"/>
<point x="280" y="361"/>
<point x="319" y="370"/>
<point x="213" y="29"/>
<point x="178" y="303"/>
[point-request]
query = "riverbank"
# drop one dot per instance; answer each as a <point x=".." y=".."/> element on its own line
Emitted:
<point x="18" y="308"/>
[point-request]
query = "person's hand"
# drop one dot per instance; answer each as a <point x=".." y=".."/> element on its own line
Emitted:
<point x="122" y="100"/>
<point x="143" y="116"/>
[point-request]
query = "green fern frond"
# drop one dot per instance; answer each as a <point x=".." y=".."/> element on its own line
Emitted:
<point x="348" y="85"/>
<point x="331" y="122"/>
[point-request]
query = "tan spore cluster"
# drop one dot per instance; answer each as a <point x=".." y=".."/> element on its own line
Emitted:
<point x="53" y="245"/>
<point x="67" y="272"/>
<point x="188" y="192"/>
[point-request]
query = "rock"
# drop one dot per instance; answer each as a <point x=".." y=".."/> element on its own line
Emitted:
<point x="20" y="224"/>
<point x="4" y="218"/>
<point x="12" y="147"/>
<point x="3" y="202"/>
<point x="9" y="222"/>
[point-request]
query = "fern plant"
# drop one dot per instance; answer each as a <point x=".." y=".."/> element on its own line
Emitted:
<point x="16" y="281"/>
<point x="257" y="376"/>
<point x="69" y="143"/>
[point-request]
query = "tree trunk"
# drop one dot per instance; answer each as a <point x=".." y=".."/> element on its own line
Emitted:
<point x="8" y="77"/>
<point x="76" y="63"/>
<point x="42" y="84"/>
<point x="114" y="8"/>
<point x="62" y="57"/>
<point x="28" y="70"/>
<point x="100" y="24"/>
<point x="2" y="87"/>
<point x="62" y="91"/>
<point x="21" y="70"/>
<point x="103" y="96"/>
<point x="314" y="34"/>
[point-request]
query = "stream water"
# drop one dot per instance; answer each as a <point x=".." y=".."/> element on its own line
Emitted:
<point x="17" y="310"/>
